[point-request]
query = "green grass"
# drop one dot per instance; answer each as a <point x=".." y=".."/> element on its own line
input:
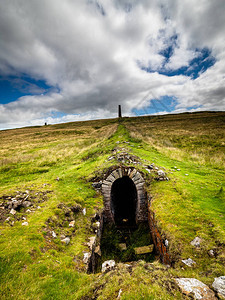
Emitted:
<point x="66" y="158"/>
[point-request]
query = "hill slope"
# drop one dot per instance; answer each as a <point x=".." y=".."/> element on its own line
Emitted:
<point x="52" y="169"/>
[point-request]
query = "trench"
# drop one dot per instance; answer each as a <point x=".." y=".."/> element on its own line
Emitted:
<point x="128" y="230"/>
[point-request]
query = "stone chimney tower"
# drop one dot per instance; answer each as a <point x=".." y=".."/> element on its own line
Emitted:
<point x="119" y="112"/>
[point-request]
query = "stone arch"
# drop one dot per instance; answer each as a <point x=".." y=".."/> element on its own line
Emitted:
<point x="141" y="212"/>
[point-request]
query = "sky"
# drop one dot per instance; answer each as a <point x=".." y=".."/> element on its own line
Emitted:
<point x="76" y="60"/>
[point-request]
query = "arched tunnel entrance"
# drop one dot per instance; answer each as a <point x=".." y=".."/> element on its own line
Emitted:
<point x="124" y="202"/>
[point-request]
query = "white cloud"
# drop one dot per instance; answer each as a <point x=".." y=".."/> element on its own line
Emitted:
<point x="92" y="51"/>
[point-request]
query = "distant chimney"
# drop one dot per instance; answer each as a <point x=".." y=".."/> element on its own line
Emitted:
<point x="119" y="112"/>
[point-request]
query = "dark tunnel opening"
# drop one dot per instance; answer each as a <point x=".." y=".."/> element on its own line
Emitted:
<point x="124" y="202"/>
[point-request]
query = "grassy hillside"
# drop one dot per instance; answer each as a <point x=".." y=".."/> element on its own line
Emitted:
<point x="53" y="168"/>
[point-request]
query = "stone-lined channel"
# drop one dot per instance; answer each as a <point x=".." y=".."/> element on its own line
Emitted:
<point x="127" y="229"/>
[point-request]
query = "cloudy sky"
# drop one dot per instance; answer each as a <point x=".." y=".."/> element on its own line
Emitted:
<point x="74" y="60"/>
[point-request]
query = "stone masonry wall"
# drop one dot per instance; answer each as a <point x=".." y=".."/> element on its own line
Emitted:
<point x="141" y="213"/>
<point x="160" y="247"/>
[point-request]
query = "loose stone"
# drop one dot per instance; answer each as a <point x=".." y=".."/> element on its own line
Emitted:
<point x="219" y="286"/>
<point x="54" y="234"/>
<point x="91" y="241"/>
<point x="66" y="240"/>
<point x="25" y="224"/>
<point x="196" y="287"/>
<point x="12" y="211"/>
<point x="196" y="242"/>
<point x="71" y="224"/>
<point x="188" y="262"/>
<point x="108" y="265"/>
<point x="86" y="258"/>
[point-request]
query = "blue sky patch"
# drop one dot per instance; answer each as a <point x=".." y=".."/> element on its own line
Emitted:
<point x="163" y="104"/>
<point x="13" y="88"/>
<point x="168" y="51"/>
<point x="203" y="61"/>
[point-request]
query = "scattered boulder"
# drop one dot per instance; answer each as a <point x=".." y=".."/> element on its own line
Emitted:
<point x="193" y="286"/>
<point x="26" y="204"/>
<point x="219" y="286"/>
<point x="25" y="224"/>
<point x="66" y="240"/>
<point x="12" y="211"/>
<point x="161" y="175"/>
<point x="98" y="250"/>
<point x="188" y="262"/>
<point x="108" y="265"/>
<point x="151" y="167"/>
<point x="212" y="253"/>
<point x="72" y="223"/>
<point x="54" y="234"/>
<point x="87" y="256"/>
<point x="97" y="185"/>
<point x="119" y="294"/>
<point x="166" y="243"/>
<point x="91" y="242"/>
<point x="196" y="242"/>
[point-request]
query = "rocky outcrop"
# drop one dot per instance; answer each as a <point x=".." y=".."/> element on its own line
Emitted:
<point x="219" y="286"/>
<point x="192" y="286"/>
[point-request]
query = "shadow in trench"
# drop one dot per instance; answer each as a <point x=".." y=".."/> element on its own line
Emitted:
<point x="124" y="202"/>
<point x="119" y="244"/>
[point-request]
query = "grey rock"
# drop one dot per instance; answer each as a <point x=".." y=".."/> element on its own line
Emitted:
<point x="91" y="242"/>
<point x="72" y="223"/>
<point x="54" y="234"/>
<point x="98" y="250"/>
<point x="119" y="294"/>
<point x="161" y="173"/>
<point x="108" y="265"/>
<point x="111" y="157"/>
<point x="12" y="211"/>
<point x="66" y="240"/>
<point x="86" y="258"/>
<point x="211" y="253"/>
<point x="196" y="288"/>
<point x="196" y="242"/>
<point x="25" y="224"/>
<point x="15" y="204"/>
<point x="188" y="262"/>
<point x="97" y="185"/>
<point x="219" y="285"/>
<point x="27" y="204"/>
